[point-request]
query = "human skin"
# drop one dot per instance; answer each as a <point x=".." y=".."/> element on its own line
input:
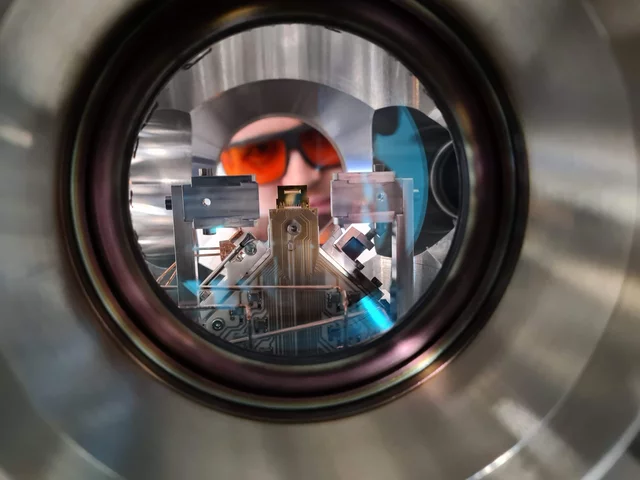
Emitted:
<point x="299" y="172"/>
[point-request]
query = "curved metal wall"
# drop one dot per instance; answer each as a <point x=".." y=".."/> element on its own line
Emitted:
<point x="338" y="60"/>
<point x="550" y="389"/>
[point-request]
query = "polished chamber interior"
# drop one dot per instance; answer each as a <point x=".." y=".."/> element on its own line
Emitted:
<point x="548" y="388"/>
<point x="336" y="264"/>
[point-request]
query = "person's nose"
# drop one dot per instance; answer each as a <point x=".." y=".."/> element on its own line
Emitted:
<point x="299" y="171"/>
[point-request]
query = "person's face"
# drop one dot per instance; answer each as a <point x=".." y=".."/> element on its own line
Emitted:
<point x="299" y="172"/>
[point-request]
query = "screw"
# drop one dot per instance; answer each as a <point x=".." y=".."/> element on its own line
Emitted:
<point x="217" y="324"/>
<point x="381" y="196"/>
<point x="292" y="229"/>
<point x="206" y="202"/>
<point x="251" y="249"/>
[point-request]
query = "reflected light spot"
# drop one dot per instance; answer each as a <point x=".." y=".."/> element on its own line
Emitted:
<point x="148" y="209"/>
<point x="157" y="152"/>
<point x="171" y="181"/>
<point x="16" y="136"/>
<point x="192" y="285"/>
<point x="377" y="316"/>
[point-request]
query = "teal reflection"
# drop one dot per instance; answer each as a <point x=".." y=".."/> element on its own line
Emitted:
<point x="402" y="151"/>
<point x="375" y="314"/>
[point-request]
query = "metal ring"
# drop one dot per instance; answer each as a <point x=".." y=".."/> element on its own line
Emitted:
<point x="250" y="384"/>
<point x="443" y="203"/>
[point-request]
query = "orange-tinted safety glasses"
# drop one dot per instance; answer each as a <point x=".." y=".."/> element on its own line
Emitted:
<point x="267" y="157"/>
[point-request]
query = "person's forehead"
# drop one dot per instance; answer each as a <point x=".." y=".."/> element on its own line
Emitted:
<point x="265" y="126"/>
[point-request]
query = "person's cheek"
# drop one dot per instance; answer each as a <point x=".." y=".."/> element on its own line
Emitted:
<point x="267" y="198"/>
<point x="299" y="172"/>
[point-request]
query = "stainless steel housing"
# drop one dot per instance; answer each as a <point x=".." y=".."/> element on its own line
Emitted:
<point x="162" y="157"/>
<point x="330" y="79"/>
<point x="549" y="388"/>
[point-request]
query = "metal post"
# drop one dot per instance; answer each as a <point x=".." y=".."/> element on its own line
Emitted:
<point x="187" y="273"/>
<point x="404" y="241"/>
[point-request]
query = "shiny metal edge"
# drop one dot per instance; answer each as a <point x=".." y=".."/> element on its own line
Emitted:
<point x="557" y="362"/>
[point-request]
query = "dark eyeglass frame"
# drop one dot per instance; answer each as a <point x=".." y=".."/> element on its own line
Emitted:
<point x="291" y="139"/>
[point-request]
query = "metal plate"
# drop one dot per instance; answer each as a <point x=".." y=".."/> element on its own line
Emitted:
<point x="549" y="389"/>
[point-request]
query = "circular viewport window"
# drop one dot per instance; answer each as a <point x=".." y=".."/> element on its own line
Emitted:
<point x="286" y="214"/>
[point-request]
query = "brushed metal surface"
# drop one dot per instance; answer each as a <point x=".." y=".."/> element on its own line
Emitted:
<point x="549" y="389"/>
<point x="173" y="141"/>
<point x="163" y="157"/>
<point x="342" y="117"/>
<point x="338" y="60"/>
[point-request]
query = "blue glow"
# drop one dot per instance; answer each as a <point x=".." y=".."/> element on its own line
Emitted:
<point x="376" y="315"/>
<point x="404" y="153"/>
<point x="192" y="286"/>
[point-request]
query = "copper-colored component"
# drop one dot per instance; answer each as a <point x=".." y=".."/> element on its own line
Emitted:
<point x="226" y="247"/>
<point x="300" y="298"/>
<point x="292" y="196"/>
<point x="327" y="232"/>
